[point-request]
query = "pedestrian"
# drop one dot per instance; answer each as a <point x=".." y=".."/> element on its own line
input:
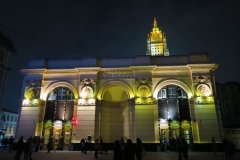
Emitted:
<point x="10" y="143"/>
<point x="31" y="148"/>
<point x="117" y="153"/>
<point x="185" y="149"/>
<point x="225" y="146"/>
<point x="139" y="149"/>
<point x="174" y="143"/>
<point x="26" y="149"/>
<point x="50" y="145"/>
<point x="41" y="143"/>
<point x="101" y="145"/>
<point x="231" y="150"/>
<point x="20" y="146"/>
<point x="213" y="146"/>
<point x="180" y="147"/>
<point x="82" y="145"/>
<point x="96" y="147"/>
<point x="86" y="146"/>
<point x="5" y="143"/>
<point x="129" y="150"/>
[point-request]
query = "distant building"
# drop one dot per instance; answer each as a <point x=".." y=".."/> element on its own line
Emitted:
<point x="6" y="51"/>
<point x="157" y="42"/>
<point x="8" y="123"/>
<point x="228" y="95"/>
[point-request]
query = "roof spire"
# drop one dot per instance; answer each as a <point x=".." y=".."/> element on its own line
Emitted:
<point x="155" y="23"/>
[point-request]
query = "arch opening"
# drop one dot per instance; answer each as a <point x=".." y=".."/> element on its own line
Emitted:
<point x="114" y="114"/>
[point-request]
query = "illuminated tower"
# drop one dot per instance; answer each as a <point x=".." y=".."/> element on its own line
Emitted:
<point x="156" y="42"/>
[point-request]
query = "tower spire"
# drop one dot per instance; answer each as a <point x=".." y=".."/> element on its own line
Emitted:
<point x="155" y="23"/>
<point x="156" y="42"/>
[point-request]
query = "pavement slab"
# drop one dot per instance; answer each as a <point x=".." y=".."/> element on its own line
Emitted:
<point x="77" y="155"/>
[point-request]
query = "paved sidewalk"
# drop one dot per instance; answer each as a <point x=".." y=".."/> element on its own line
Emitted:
<point x="76" y="155"/>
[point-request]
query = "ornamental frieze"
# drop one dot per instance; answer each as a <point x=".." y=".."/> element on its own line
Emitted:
<point x="202" y="79"/>
<point x="116" y="76"/>
<point x="33" y="83"/>
<point x="145" y="101"/>
<point x="88" y="81"/>
<point x="143" y="81"/>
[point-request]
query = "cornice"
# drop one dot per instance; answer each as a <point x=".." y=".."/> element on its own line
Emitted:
<point x="143" y="68"/>
<point x="172" y="69"/>
<point x="88" y="70"/>
<point x="203" y="67"/>
<point x="32" y="71"/>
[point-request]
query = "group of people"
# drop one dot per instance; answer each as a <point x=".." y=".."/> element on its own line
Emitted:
<point x="27" y="148"/>
<point x="7" y="142"/>
<point x="128" y="150"/>
<point x="229" y="148"/>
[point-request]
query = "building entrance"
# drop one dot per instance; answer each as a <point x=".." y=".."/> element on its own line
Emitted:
<point x="57" y="120"/>
<point x="173" y="113"/>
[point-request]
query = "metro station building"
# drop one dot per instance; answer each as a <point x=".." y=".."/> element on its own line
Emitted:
<point x="150" y="96"/>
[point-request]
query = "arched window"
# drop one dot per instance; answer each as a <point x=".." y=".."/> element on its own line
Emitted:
<point x="61" y="93"/>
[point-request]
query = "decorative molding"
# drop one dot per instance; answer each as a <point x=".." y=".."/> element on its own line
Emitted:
<point x="143" y="81"/>
<point x="87" y="81"/>
<point x="203" y="90"/>
<point x="145" y="101"/>
<point x="32" y="93"/>
<point x="86" y="102"/>
<point x="33" y="83"/>
<point x="201" y="79"/>
<point x="144" y="91"/>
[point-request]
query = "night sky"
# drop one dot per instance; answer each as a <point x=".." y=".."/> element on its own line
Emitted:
<point x="118" y="28"/>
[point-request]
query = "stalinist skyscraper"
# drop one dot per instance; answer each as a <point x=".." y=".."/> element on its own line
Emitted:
<point x="156" y="42"/>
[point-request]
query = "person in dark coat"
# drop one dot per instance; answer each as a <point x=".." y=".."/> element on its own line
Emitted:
<point x="117" y="153"/>
<point x="139" y="149"/>
<point x="50" y="145"/>
<point x="83" y="145"/>
<point x="20" y="146"/>
<point x="10" y="143"/>
<point x="96" y="147"/>
<point x="26" y="149"/>
<point x="129" y="150"/>
<point x="6" y="143"/>
<point x="180" y="147"/>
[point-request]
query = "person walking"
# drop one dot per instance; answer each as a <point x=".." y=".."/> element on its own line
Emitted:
<point x="50" y="145"/>
<point x="225" y="146"/>
<point x="96" y="147"/>
<point x="101" y="145"/>
<point x="180" y="147"/>
<point x="5" y="143"/>
<point x="10" y="143"/>
<point x="129" y="150"/>
<point x="30" y="149"/>
<point x="213" y="146"/>
<point x="139" y="149"/>
<point x="20" y="146"/>
<point x="117" y="153"/>
<point x="83" y="145"/>
<point x="26" y="149"/>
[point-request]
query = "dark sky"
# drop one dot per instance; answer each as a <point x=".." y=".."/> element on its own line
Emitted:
<point x="110" y="28"/>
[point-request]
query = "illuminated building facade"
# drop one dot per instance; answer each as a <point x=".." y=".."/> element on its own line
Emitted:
<point x="146" y="96"/>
